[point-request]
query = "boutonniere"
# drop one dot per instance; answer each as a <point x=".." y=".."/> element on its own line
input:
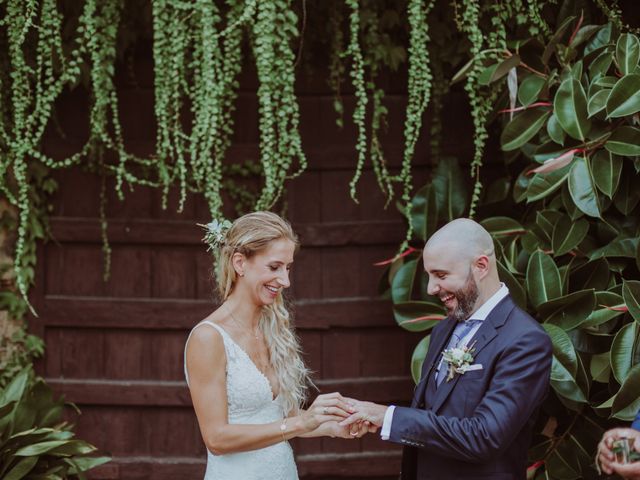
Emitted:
<point x="459" y="360"/>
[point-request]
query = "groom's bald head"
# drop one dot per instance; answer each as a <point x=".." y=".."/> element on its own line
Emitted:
<point x="464" y="238"/>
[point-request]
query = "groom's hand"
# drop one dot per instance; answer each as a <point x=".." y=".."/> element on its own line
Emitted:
<point x="365" y="412"/>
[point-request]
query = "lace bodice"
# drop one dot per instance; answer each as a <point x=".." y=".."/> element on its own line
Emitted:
<point x="249" y="401"/>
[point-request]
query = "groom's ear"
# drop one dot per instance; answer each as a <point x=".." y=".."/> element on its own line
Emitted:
<point x="482" y="266"/>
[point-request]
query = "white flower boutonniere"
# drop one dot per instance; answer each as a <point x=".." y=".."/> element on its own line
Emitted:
<point x="459" y="360"/>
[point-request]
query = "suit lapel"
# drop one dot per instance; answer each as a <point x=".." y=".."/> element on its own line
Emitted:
<point x="431" y="360"/>
<point x="486" y="333"/>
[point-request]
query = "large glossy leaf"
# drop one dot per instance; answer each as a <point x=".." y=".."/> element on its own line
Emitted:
<point x="627" y="53"/>
<point x="606" y="168"/>
<point x="84" y="464"/>
<point x="624" y="141"/>
<point x="555" y="131"/>
<point x="416" y="316"/>
<point x="628" y="194"/>
<point x="563" y="353"/>
<point x="15" y="389"/>
<point x="600" y="367"/>
<point x="39" y="448"/>
<point x="523" y="128"/>
<point x="567" y="235"/>
<point x="583" y="189"/>
<point x="600" y="64"/>
<point x="544" y="184"/>
<point x="502" y="226"/>
<point x="543" y="279"/>
<point x="546" y="220"/>
<point x="21" y="468"/>
<point x="598" y="101"/>
<point x="424" y="214"/>
<point x="569" y="311"/>
<point x="417" y="358"/>
<point x="603" y="37"/>
<point x="402" y="284"/>
<point x="631" y="296"/>
<point x="530" y="89"/>
<point x="627" y="401"/>
<point x="498" y="70"/>
<point x="570" y="107"/>
<point x="451" y="193"/>
<point x="624" y="98"/>
<point x="621" y="247"/>
<point x="622" y="351"/>
<point x="516" y="290"/>
<point x="607" y="308"/>
<point x="555" y="39"/>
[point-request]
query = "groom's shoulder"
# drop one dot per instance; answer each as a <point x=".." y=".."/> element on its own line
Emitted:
<point x="522" y="323"/>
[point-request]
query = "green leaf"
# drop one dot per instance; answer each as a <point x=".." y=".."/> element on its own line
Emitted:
<point x="631" y="296"/>
<point x="424" y="214"/>
<point x="39" y="448"/>
<point x="567" y="235"/>
<point x="416" y="316"/>
<point x="628" y="194"/>
<point x="582" y="188"/>
<point x="498" y="70"/>
<point x="603" y="37"/>
<point x="627" y="53"/>
<point x="557" y="36"/>
<point x="606" y="82"/>
<point x="73" y="447"/>
<point x="544" y="184"/>
<point x="563" y="353"/>
<point x="624" y="141"/>
<point x="606" y="169"/>
<point x="450" y="190"/>
<point x="417" y="359"/>
<point x="600" y="368"/>
<point x="624" y="98"/>
<point x="627" y="402"/>
<point x="598" y="101"/>
<point x="569" y="311"/>
<point x="530" y="89"/>
<point x="516" y="290"/>
<point x="570" y="107"/>
<point x="84" y="464"/>
<point x="21" y="468"/>
<point x="601" y="64"/>
<point x="402" y="283"/>
<point x="523" y="128"/>
<point x="502" y="226"/>
<point x="622" y="351"/>
<point x="15" y="389"/>
<point x="620" y="247"/>
<point x="555" y="131"/>
<point x="603" y="315"/>
<point x="543" y="279"/>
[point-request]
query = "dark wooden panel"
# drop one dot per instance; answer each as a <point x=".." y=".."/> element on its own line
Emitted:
<point x="145" y="393"/>
<point x="153" y="314"/>
<point x="150" y="232"/>
<point x="312" y="466"/>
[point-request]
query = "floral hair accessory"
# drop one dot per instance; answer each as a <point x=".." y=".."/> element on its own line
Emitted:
<point x="215" y="233"/>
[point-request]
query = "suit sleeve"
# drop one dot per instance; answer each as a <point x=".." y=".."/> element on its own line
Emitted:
<point x="519" y="385"/>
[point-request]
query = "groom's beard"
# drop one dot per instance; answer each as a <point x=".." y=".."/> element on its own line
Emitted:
<point x="465" y="300"/>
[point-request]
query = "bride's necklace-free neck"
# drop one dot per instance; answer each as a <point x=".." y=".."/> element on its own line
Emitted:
<point x="255" y="331"/>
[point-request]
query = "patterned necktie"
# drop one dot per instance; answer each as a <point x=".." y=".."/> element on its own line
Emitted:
<point x="459" y="332"/>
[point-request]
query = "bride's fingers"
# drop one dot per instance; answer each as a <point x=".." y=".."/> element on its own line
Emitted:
<point x="352" y="419"/>
<point x="335" y="411"/>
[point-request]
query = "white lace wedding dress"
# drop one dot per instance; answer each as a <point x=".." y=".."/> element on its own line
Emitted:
<point x="250" y="401"/>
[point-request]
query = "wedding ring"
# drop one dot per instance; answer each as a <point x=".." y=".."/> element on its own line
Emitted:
<point x="325" y="410"/>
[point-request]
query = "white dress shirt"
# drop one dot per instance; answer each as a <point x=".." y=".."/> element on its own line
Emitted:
<point x="481" y="314"/>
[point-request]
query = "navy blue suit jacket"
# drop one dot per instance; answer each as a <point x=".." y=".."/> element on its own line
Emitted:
<point x="477" y="425"/>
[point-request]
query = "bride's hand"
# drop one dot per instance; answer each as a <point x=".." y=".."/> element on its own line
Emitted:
<point x="325" y="408"/>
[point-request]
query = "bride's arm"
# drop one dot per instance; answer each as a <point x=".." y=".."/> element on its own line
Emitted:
<point x="206" y="362"/>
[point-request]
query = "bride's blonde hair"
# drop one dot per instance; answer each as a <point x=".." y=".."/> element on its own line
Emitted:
<point x="249" y="235"/>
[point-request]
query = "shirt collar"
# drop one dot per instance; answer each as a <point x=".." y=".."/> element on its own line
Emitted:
<point x="485" y="309"/>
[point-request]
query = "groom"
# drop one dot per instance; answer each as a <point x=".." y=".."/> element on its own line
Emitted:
<point x="476" y="424"/>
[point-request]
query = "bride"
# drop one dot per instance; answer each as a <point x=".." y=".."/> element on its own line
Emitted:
<point x="243" y="364"/>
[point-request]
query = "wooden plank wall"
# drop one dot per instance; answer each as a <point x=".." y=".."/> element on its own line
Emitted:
<point x="115" y="348"/>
